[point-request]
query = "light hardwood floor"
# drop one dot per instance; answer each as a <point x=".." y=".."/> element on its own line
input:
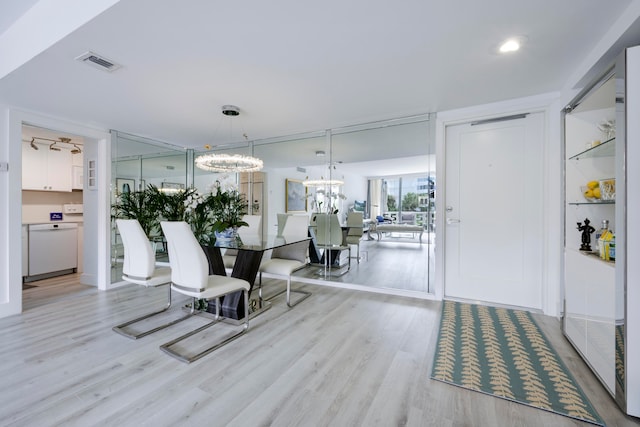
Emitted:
<point x="340" y="358"/>
<point x="399" y="263"/>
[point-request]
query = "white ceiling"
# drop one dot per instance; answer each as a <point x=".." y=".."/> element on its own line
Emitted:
<point x="295" y="66"/>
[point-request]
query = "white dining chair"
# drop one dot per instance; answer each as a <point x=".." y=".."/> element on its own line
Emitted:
<point x="190" y="277"/>
<point x="139" y="267"/>
<point x="355" y="230"/>
<point x="285" y="260"/>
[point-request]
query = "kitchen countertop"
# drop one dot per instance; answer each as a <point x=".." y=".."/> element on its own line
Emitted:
<point x="66" y="220"/>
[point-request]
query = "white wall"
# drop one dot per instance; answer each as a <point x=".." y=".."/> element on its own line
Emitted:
<point x="10" y="202"/>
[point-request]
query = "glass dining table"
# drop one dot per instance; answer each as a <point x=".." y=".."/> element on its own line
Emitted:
<point x="246" y="266"/>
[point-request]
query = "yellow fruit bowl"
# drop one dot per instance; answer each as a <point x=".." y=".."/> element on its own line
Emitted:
<point x="590" y="194"/>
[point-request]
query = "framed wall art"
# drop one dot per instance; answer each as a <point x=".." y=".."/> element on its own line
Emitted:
<point x="296" y="196"/>
<point x="125" y="185"/>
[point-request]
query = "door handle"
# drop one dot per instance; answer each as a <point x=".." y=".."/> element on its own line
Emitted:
<point x="452" y="221"/>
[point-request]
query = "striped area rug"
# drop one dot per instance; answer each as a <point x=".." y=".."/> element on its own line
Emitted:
<point x="504" y="353"/>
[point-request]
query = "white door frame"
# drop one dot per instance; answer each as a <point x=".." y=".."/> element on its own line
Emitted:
<point x="552" y="175"/>
<point x="100" y="245"/>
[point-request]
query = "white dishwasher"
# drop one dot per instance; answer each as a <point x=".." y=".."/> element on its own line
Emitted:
<point x="53" y="249"/>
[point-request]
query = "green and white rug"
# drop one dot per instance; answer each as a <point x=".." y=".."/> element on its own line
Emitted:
<point x="504" y="353"/>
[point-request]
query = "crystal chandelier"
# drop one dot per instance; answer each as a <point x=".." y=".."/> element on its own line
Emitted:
<point x="321" y="182"/>
<point x="228" y="162"/>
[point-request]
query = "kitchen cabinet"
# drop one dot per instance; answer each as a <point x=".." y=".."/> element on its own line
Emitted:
<point x="601" y="296"/>
<point x="77" y="179"/>
<point x="77" y="171"/>
<point x="44" y="169"/>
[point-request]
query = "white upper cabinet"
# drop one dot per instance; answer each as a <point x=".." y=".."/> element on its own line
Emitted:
<point x="44" y="169"/>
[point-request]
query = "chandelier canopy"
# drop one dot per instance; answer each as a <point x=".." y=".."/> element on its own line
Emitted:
<point x="228" y="163"/>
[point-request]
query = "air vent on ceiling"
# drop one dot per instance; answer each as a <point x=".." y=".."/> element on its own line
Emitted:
<point x="98" y="61"/>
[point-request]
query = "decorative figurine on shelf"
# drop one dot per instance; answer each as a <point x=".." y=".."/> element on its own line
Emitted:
<point x="586" y="234"/>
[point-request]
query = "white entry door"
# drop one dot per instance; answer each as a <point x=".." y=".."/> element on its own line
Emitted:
<point x="494" y="212"/>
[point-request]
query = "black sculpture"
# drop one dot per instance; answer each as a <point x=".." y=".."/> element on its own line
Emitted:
<point x="586" y="234"/>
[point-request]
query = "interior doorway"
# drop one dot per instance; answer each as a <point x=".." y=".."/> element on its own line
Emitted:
<point x="52" y="215"/>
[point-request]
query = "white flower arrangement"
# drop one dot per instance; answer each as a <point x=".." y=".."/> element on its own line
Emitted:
<point x="192" y="202"/>
<point x="225" y="182"/>
<point x="318" y="199"/>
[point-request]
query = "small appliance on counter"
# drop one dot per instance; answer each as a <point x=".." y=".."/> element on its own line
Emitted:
<point x="73" y="209"/>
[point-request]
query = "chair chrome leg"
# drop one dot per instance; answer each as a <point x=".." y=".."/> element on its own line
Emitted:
<point x="120" y="329"/>
<point x="188" y="359"/>
<point x="289" y="291"/>
<point x="272" y="296"/>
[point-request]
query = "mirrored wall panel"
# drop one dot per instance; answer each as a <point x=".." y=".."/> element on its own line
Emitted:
<point x="367" y="194"/>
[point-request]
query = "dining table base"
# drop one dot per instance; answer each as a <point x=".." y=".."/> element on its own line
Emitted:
<point x="246" y="268"/>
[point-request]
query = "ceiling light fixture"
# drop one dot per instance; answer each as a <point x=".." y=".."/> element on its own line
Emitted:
<point x="75" y="149"/>
<point x="512" y="44"/>
<point x="321" y="182"/>
<point x="171" y="187"/>
<point x="55" y="144"/>
<point x="230" y="110"/>
<point x="228" y="162"/>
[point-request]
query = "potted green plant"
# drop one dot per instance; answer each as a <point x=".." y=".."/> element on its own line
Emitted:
<point x="227" y="208"/>
<point x="141" y="205"/>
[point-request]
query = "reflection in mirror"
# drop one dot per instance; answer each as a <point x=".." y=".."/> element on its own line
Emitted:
<point x="383" y="175"/>
<point x="137" y="165"/>
<point x="388" y="173"/>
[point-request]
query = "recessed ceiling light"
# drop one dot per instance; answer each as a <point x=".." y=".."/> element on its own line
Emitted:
<point x="512" y="44"/>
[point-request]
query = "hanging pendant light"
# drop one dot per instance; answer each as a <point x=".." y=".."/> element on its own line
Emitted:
<point x="321" y="182"/>
<point x="228" y="163"/>
<point x="220" y="162"/>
